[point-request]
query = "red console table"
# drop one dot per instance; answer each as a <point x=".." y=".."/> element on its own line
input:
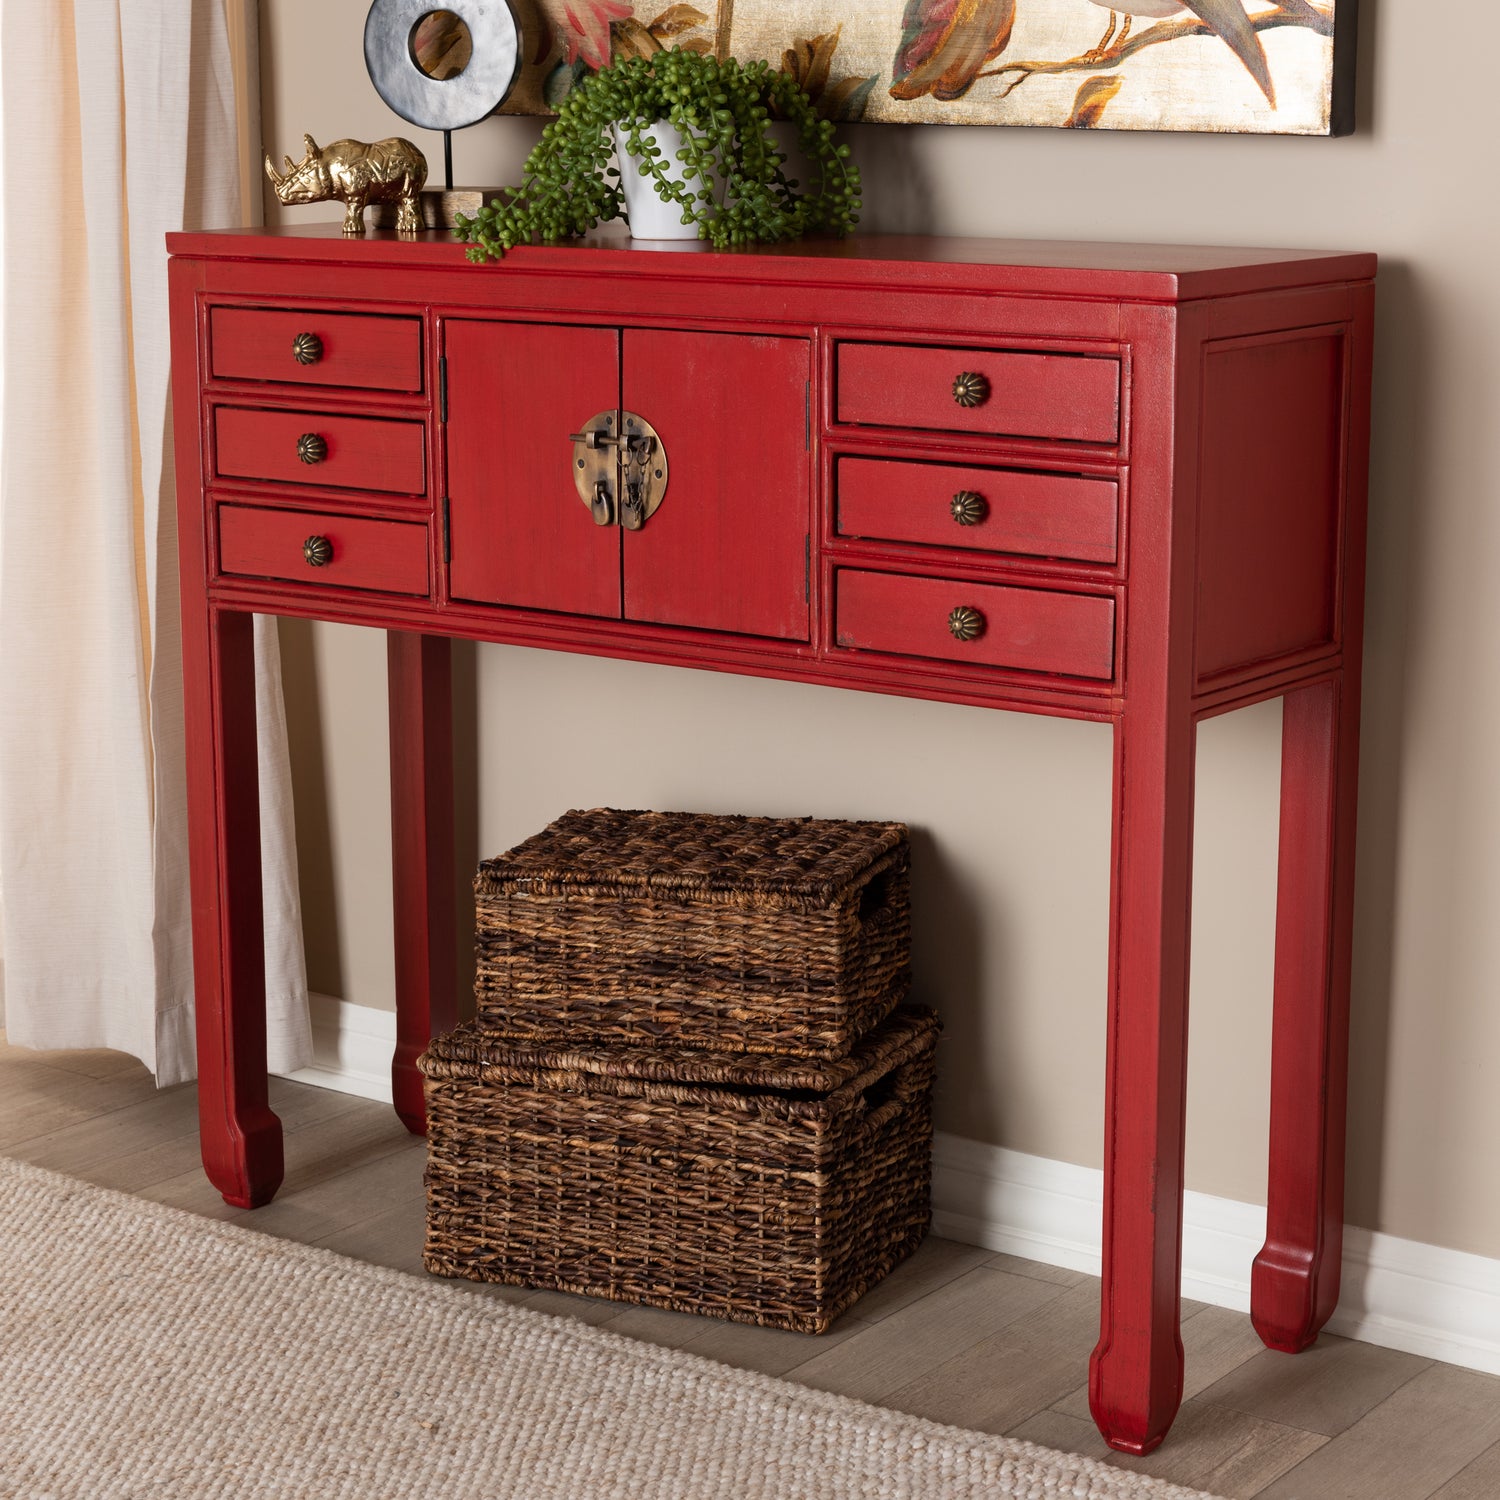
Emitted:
<point x="1110" y="482"/>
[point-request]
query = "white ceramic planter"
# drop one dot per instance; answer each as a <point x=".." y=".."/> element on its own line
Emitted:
<point x="651" y="218"/>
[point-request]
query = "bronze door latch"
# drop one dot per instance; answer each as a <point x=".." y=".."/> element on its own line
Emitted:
<point x="621" y="476"/>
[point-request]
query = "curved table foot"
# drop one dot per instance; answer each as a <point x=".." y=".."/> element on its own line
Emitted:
<point x="244" y="1161"/>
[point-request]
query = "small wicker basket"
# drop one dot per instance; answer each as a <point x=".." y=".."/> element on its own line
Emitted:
<point x="758" y="1189"/>
<point x="790" y="937"/>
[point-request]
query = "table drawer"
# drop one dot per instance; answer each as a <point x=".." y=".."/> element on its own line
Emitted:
<point x="361" y="351"/>
<point x="993" y="510"/>
<point x="1028" y="630"/>
<point x="1067" y="397"/>
<point x="324" y="448"/>
<point x="361" y="553"/>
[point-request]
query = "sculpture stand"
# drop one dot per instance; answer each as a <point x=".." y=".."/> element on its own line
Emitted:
<point x="437" y="206"/>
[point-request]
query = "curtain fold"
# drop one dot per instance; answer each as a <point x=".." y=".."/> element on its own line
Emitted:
<point x="121" y="122"/>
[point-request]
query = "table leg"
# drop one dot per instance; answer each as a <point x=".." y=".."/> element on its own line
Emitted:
<point x="241" y="1136"/>
<point x="1295" y="1282"/>
<point x="1135" y="1375"/>
<point x="421" y="712"/>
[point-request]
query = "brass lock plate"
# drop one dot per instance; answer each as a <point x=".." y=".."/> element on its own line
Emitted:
<point x="620" y="471"/>
<point x="643" y="472"/>
<point x="596" y="468"/>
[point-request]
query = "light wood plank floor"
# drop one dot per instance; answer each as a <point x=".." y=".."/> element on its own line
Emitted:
<point x="957" y="1334"/>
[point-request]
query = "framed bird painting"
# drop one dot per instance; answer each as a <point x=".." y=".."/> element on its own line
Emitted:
<point x="1270" y="67"/>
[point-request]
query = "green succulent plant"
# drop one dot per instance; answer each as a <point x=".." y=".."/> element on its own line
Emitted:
<point x="723" y="109"/>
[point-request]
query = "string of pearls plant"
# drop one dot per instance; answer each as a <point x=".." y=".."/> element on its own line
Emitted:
<point x="570" y="183"/>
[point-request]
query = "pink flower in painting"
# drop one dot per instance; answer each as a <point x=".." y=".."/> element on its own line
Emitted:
<point x="586" y="32"/>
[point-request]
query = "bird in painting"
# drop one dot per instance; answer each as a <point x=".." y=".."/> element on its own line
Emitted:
<point x="1225" y="18"/>
<point x="946" y="43"/>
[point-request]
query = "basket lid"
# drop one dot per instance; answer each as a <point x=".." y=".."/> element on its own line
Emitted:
<point x="694" y="854"/>
<point x="470" y="1049"/>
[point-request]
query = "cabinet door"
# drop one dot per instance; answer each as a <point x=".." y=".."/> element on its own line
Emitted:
<point x="727" y="550"/>
<point x="520" y="533"/>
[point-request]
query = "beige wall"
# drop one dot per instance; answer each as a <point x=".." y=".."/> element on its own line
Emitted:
<point x="1011" y="812"/>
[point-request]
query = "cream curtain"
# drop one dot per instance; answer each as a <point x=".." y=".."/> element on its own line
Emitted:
<point x="121" y="121"/>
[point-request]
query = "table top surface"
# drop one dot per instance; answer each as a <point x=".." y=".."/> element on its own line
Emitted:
<point x="1167" y="273"/>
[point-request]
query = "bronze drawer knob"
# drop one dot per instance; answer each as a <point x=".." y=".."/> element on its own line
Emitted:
<point x="965" y="623"/>
<point x="311" y="448"/>
<point x="969" y="508"/>
<point x="317" y="551"/>
<point x="307" y="348"/>
<point x="971" y="389"/>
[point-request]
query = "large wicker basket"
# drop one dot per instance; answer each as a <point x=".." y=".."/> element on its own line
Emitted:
<point x="763" y="1190"/>
<point x="785" y="936"/>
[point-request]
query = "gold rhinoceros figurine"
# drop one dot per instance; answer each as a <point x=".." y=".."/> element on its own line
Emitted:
<point x="356" y="174"/>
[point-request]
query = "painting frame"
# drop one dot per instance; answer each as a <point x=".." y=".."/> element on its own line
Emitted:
<point x="1266" y="67"/>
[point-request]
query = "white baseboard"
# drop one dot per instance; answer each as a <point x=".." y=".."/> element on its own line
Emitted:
<point x="1401" y="1294"/>
<point x="352" y="1047"/>
<point x="1423" y="1299"/>
<point x="1051" y="1210"/>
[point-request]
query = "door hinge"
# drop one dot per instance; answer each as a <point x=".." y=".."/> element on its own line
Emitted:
<point x="807" y="568"/>
<point x="442" y="387"/>
<point x="447" y="533"/>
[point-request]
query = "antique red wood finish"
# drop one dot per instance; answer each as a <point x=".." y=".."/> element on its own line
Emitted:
<point x="1013" y="510"/>
<point x="515" y="390"/>
<point x="421" y="717"/>
<point x="1062" y="397"/>
<point x="356" y="453"/>
<point x="1173" y="447"/>
<point x="381" y="354"/>
<point x="731" y="547"/>
<point x="266" y="542"/>
<point x="1030" y="629"/>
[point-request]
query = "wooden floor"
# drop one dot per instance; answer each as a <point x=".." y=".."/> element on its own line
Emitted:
<point x="957" y="1334"/>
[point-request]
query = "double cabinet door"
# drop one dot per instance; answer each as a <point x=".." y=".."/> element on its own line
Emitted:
<point x="728" y="547"/>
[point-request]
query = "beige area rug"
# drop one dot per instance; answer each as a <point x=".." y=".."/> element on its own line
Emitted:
<point x="147" y="1352"/>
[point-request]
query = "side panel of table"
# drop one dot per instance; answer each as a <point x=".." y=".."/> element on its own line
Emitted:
<point x="1191" y="654"/>
<point x="1295" y="1282"/>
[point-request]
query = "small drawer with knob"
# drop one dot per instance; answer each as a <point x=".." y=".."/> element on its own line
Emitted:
<point x="302" y="546"/>
<point x="380" y="454"/>
<point x="987" y="510"/>
<point x="364" y="352"/>
<point x="1021" y="629"/>
<point x="1005" y="393"/>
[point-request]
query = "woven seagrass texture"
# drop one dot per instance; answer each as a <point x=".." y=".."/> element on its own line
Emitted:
<point x="769" y="935"/>
<point x="777" y="1206"/>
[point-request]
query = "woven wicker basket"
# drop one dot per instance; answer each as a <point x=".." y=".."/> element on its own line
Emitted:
<point x="762" y="1190"/>
<point x="790" y="937"/>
